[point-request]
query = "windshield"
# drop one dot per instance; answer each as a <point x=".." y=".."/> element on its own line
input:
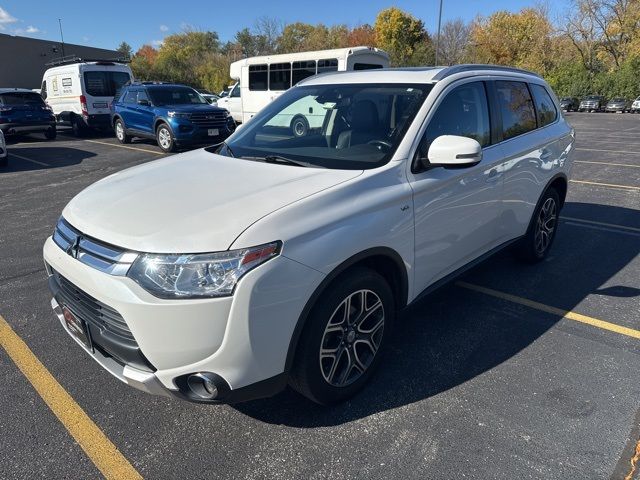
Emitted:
<point x="21" y="98"/>
<point x="618" y="100"/>
<point x="175" y="96"/>
<point x="354" y="126"/>
<point x="593" y="97"/>
<point x="104" y="83"/>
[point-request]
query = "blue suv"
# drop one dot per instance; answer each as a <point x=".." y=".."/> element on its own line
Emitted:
<point x="175" y="115"/>
<point x="24" y="111"/>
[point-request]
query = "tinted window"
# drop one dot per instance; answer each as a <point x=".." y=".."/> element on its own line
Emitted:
<point x="366" y="66"/>
<point x="258" y="77"/>
<point x="175" y="96"/>
<point x="130" y="96"/>
<point x="279" y="76"/>
<point x="43" y="90"/>
<point x="518" y="115"/>
<point x="544" y="105"/>
<point x="142" y="95"/>
<point x="463" y="112"/>
<point x="302" y="70"/>
<point x="21" y="98"/>
<point x="236" y="92"/>
<point x="329" y="65"/>
<point x="104" y="84"/>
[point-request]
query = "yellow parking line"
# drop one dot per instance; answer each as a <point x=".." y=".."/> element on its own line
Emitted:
<point x="609" y="163"/>
<point x="104" y="454"/>
<point x="604" y="224"/>
<point x="577" y="317"/>
<point x="610" y="185"/>
<point x="125" y="146"/>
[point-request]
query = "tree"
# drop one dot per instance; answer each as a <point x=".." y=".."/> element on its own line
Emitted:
<point x="143" y="63"/>
<point x="363" y="35"/>
<point x="454" y="40"/>
<point x="125" y="49"/>
<point x="402" y="36"/>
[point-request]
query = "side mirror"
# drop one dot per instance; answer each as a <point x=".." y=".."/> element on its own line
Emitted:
<point x="452" y="151"/>
<point x="145" y="103"/>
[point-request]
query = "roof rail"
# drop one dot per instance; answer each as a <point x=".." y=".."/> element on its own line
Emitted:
<point x="448" y="71"/>
<point x="69" y="59"/>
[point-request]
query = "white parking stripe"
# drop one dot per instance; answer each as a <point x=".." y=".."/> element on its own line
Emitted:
<point x="11" y="154"/>
<point x="608" y="151"/>
<point x="609" y="163"/>
<point x="125" y="146"/>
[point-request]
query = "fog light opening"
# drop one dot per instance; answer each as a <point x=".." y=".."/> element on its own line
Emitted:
<point x="202" y="385"/>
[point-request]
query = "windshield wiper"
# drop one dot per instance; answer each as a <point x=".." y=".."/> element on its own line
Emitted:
<point x="276" y="159"/>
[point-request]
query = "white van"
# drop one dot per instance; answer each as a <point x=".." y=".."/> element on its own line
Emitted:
<point x="261" y="79"/>
<point x="80" y="92"/>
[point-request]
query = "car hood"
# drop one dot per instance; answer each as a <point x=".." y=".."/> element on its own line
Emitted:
<point x="193" y="202"/>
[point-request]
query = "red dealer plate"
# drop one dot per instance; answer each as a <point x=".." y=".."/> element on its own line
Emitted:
<point x="76" y="327"/>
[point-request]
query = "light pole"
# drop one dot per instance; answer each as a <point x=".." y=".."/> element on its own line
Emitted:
<point x="438" y="34"/>
<point x="61" y="36"/>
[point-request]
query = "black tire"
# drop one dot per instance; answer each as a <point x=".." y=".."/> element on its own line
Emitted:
<point x="328" y="379"/>
<point x="77" y="127"/>
<point x="4" y="161"/>
<point x="299" y="126"/>
<point x="535" y="245"/>
<point x="121" y="131"/>
<point x="51" y="133"/>
<point x="164" y="138"/>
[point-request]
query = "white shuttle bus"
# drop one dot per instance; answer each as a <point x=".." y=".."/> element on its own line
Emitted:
<point x="259" y="80"/>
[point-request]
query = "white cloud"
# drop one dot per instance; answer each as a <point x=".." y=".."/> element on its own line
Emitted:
<point x="164" y="28"/>
<point x="157" y="43"/>
<point x="85" y="39"/>
<point x="32" y="29"/>
<point x="5" y="17"/>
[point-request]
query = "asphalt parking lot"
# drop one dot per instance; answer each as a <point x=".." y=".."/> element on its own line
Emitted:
<point x="512" y="372"/>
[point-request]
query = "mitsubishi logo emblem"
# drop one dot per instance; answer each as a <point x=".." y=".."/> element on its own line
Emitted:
<point x="74" y="247"/>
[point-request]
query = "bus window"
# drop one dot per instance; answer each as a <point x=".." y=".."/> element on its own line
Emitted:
<point x="302" y="70"/>
<point x="329" y="65"/>
<point x="279" y="76"/>
<point x="366" y="66"/>
<point x="258" y="77"/>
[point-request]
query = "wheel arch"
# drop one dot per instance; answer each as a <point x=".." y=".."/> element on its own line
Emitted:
<point x="560" y="183"/>
<point x="384" y="260"/>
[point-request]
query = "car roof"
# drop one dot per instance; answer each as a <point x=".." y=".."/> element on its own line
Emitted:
<point x="415" y="74"/>
<point x="13" y="90"/>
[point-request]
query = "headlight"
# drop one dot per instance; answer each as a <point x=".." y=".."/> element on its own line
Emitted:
<point x="200" y="275"/>
<point x="179" y="115"/>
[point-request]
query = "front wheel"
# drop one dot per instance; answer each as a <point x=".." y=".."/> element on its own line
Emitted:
<point x="299" y="126"/>
<point x="121" y="132"/>
<point x="51" y="133"/>
<point x="164" y="137"/>
<point x="535" y="245"/>
<point x="344" y="337"/>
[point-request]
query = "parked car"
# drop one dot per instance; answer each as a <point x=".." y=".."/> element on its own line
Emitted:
<point x="592" y="103"/>
<point x="618" y="105"/>
<point x="80" y="92"/>
<point x="226" y="273"/>
<point x="175" y="115"/>
<point x="569" y="104"/>
<point x="211" y="98"/>
<point x="635" y="106"/>
<point x="4" y="156"/>
<point x="23" y="111"/>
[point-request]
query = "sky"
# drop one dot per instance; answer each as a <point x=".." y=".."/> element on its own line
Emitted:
<point x="139" y="22"/>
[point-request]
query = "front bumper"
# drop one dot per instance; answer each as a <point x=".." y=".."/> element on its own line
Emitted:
<point x="615" y="108"/>
<point x="244" y="339"/>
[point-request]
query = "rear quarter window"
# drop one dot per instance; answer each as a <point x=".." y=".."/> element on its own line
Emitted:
<point x="545" y="108"/>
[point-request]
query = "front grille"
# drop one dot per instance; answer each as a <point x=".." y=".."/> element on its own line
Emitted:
<point x="91" y="310"/>
<point x="96" y="254"/>
<point x="209" y="119"/>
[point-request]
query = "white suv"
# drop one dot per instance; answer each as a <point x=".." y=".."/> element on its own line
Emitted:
<point x="224" y="274"/>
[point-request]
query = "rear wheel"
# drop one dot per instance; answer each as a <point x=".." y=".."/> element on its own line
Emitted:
<point x="299" y="126"/>
<point x="51" y="133"/>
<point x="121" y="133"/>
<point x="77" y="126"/>
<point x="164" y="137"/>
<point x="535" y="245"/>
<point x="344" y="337"/>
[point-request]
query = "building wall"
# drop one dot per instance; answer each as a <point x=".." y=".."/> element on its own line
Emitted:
<point x="23" y="59"/>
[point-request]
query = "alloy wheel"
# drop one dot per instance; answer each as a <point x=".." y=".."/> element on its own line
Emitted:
<point x="546" y="224"/>
<point x="164" y="138"/>
<point x="352" y="338"/>
<point x="119" y="131"/>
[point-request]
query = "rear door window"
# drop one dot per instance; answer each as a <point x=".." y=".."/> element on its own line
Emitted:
<point x="258" y="77"/>
<point x="104" y="83"/>
<point x="516" y="106"/>
<point x="545" y="108"/>
<point x="130" y="97"/>
<point x="279" y="76"/>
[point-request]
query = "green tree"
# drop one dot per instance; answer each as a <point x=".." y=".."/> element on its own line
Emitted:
<point x="403" y="37"/>
<point x="143" y="63"/>
<point x="125" y="49"/>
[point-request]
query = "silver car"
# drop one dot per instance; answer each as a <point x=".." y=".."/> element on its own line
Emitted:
<point x="618" y="105"/>
<point x="592" y="103"/>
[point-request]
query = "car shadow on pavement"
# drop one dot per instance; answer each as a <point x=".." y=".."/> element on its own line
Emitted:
<point x="42" y="158"/>
<point x="455" y="335"/>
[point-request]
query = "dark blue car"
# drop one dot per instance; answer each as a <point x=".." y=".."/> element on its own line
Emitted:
<point x="24" y="111"/>
<point x="175" y="115"/>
